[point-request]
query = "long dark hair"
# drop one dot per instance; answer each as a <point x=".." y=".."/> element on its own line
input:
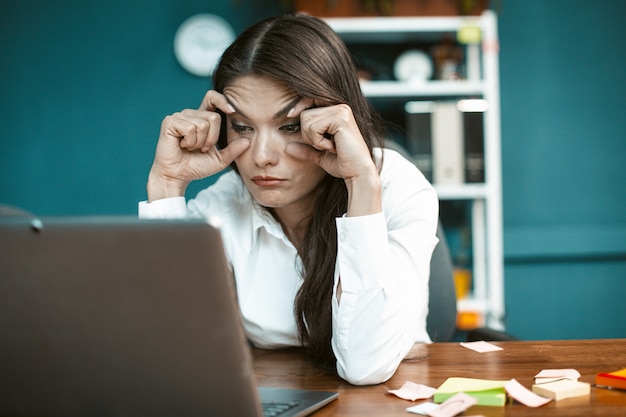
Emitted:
<point x="308" y="55"/>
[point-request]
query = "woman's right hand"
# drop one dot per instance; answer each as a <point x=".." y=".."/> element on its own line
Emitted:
<point x="187" y="150"/>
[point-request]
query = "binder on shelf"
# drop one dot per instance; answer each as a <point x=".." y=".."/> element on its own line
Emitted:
<point x="446" y="140"/>
<point x="447" y="133"/>
<point x="418" y="126"/>
<point x="473" y="133"/>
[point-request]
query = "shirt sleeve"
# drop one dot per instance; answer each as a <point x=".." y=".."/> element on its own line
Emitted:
<point x="166" y="208"/>
<point x="383" y="265"/>
<point x="209" y="203"/>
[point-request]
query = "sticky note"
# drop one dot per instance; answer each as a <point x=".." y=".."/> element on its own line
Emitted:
<point x="550" y="375"/>
<point x="422" y="408"/>
<point x="523" y="395"/>
<point x="486" y="392"/>
<point x="412" y="391"/>
<point x="481" y="346"/>
<point x="562" y="389"/>
<point x="453" y="405"/>
<point x="615" y="379"/>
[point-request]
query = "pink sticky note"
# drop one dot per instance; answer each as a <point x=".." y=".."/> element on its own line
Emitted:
<point x="481" y="346"/>
<point x="524" y="395"/>
<point x="454" y="405"/>
<point x="412" y="391"/>
<point x="422" y="408"/>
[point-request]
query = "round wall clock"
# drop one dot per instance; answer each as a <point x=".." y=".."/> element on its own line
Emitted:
<point x="200" y="41"/>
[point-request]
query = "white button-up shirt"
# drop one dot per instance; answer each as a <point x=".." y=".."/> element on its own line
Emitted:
<point x="383" y="261"/>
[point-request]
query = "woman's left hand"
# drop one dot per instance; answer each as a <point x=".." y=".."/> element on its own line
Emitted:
<point x="332" y="140"/>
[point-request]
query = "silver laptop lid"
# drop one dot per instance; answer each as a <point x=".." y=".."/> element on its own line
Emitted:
<point x="109" y="316"/>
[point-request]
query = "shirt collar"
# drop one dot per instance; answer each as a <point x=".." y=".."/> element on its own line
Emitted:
<point x="262" y="219"/>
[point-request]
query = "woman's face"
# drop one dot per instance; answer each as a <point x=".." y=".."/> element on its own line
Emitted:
<point x="275" y="179"/>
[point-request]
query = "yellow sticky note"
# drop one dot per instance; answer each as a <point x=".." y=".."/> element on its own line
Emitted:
<point x="562" y="389"/>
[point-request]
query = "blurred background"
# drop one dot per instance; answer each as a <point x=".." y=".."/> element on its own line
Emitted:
<point x="84" y="87"/>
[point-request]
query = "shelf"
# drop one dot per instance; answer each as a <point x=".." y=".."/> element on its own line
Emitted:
<point x="367" y="26"/>
<point x="462" y="191"/>
<point x="421" y="89"/>
<point x="481" y="80"/>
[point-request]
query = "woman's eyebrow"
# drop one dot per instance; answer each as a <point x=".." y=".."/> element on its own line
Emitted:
<point x="283" y="112"/>
<point x="239" y="112"/>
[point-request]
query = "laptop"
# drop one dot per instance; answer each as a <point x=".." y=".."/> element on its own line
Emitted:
<point x="116" y="316"/>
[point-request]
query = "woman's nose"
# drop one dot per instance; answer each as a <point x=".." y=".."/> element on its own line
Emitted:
<point x="265" y="149"/>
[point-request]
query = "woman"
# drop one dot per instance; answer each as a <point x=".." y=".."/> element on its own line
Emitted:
<point x="330" y="247"/>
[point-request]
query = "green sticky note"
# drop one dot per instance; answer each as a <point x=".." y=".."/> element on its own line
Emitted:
<point x="492" y="397"/>
<point x="487" y="392"/>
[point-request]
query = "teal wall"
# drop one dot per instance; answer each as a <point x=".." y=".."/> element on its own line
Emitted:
<point x="563" y="87"/>
<point x="83" y="89"/>
<point x="85" y="85"/>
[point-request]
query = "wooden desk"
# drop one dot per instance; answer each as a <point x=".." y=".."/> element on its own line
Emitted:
<point x="519" y="360"/>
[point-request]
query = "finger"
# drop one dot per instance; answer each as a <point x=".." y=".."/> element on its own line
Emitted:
<point x="201" y="129"/>
<point x="233" y="150"/>
<point x="213" y="101"/>
<point x="325" y="160"/>
<point x="209" y="131"/>
<point x="305" y="103"/>
<point x="180" y="127"/>
<point x="304" y="152"/>
<point x="317" y="134"/>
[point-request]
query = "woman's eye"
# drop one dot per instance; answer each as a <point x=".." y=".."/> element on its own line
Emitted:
<point x="291" y="128"/>
<point x="240" y="129"/>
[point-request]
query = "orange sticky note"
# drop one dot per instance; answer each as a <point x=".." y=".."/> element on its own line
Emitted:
<point x="615" y="379"/>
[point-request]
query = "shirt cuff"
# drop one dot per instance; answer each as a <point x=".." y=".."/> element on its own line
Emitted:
<point x="362" y="243"/>
<point x="166" y="208"/>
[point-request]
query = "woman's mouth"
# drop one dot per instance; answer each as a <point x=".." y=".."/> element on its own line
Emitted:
<point x="264" y="181"/>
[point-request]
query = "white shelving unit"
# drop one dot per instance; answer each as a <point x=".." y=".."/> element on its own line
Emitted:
<point x="482" y="80"/>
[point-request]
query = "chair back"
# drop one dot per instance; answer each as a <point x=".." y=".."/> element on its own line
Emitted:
<point x="441" y="320"/>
